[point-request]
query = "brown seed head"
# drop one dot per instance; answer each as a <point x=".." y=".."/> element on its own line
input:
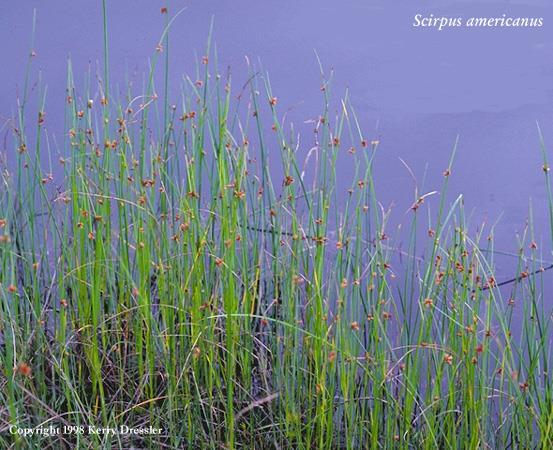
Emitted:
<point x="24" y="369"/>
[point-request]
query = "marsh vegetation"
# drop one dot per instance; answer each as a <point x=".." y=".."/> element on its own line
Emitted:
<point x="190" y="266"/>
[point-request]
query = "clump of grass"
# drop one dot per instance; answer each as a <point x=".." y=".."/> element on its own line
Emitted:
<point x="190" y="267"/>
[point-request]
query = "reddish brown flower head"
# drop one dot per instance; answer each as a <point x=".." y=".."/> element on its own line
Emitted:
<point x="24" y="369"/>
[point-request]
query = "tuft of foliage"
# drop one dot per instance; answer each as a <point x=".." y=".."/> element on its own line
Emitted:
<point x="191" y="268"/>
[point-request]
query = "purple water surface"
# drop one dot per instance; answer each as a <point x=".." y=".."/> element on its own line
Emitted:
<point x="416" y="89"/>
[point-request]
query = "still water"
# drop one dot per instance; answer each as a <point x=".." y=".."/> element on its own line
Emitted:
<point x="414" y="89"/>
